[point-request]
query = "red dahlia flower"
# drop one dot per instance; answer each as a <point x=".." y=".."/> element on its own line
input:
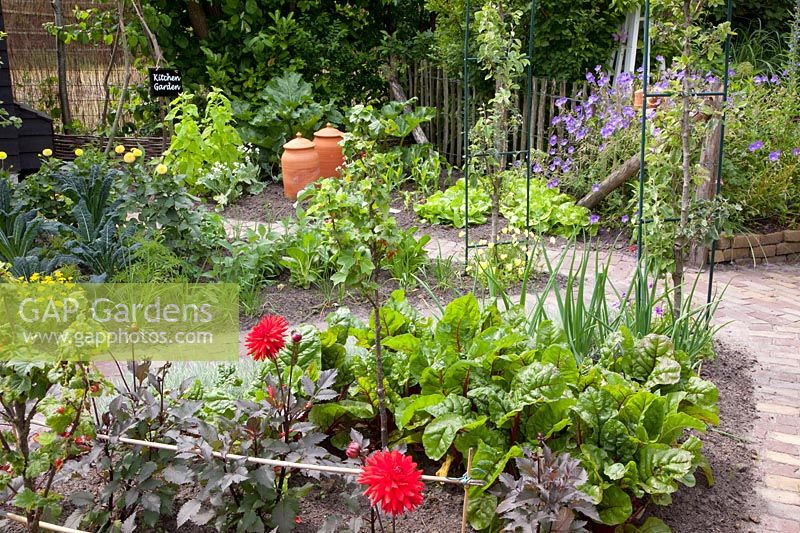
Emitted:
<point x="393" y="482"/>
<point x="267" y="338"/>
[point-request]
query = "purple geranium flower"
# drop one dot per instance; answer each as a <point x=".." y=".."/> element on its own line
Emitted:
<point x="595" y="187"/>
<point x="553" y="183"/>
<point x="659" y="311"/>
<point x="758" y="145"/>
<point x="774" y="156"/>
<point x="517" y="163"/>
<point x="625" y="219"/>
<point x="561" y="101"/>
<point x="537" y="167"/>
<point x="553" y="140"/>
<point x="590" y="77"/>
<point x="796" y="151"/>
<point x="594" y="218"/>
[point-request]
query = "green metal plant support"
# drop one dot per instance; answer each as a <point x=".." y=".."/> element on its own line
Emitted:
<point x="643" y="144"/>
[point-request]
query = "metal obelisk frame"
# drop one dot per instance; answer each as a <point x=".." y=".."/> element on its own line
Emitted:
<point x="526" y="153"/>
<point x="643" y="144"/>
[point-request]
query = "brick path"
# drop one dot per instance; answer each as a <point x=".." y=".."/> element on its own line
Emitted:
<point x="763" y="308"/>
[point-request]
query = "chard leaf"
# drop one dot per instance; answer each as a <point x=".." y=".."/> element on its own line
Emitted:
<point x="481" y="509"/>
<point x="408" y="407"/>
<point x="452" y="404"/>
<point x="676" y="424"/>
<point x="667" y="371"/>
<point x="595" y="406"/>
<point x="460" y="323"/>
<point x="616" y="507"/>
<point x="548" y="418"/>
<point x="535" y="383"/>
<point x="440" y="433"/>
<point x="660" y="467"/>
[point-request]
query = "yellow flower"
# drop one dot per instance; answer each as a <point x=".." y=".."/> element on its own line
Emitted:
<point x="130" y="157"/>
<point x="78" y="152"/>
<point x="503" y="257"/>
<point x="136" y="152"/>
<point x="3" y="156"/>
<point x="120" y="149"/>
<point x="161" y="169"/>
<point x="47" y="152"/>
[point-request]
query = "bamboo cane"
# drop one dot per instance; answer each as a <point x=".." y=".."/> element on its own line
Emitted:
<point x="44" y="525"/>
<point x="287" y="464"/>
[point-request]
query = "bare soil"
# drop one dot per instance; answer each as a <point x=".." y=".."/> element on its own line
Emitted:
<point x="731" y="504"/>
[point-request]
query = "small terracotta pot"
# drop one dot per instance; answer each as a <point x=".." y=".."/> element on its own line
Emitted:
<point x="330" y="153"/>
<point x="299" y="165"/>
<point x="638" y="98"/>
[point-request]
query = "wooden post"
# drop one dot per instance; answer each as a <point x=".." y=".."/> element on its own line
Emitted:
<point x="709" y="160"/>
<point x="465" y="509"/>
<point x="61" y="68"/>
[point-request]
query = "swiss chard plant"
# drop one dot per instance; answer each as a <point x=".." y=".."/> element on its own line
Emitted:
<point x="478" y="379"/>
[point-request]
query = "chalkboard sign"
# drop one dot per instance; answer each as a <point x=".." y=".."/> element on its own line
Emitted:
<point x="165" y="82"/>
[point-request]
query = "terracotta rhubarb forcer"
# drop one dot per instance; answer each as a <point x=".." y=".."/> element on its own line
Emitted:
<point x="299" y="165"/>
<point x="330" y="153"/>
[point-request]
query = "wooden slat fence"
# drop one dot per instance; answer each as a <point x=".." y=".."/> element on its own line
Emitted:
<point x="433" y="87"/>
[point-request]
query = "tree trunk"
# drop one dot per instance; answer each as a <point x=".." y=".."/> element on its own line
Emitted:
<point x="126" y="81"/>
<point x="151" y="38"/>
<point x="397" y="93"/>
<point x="686" y="167"/>
<point x="379" y="372"/>
<point x="618" y="176"/>
<point x="61" y="67"/>
<point x="198" y="20"/>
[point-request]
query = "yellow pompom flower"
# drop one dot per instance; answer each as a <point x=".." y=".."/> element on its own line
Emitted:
<point x="3" y="156"/>
<point x="161" y="169"/>
<point x="130" y="157"/>
<point x="120" y="149"/>
<point x="78" y="152"/>
<point x="136" y="152"/>
<point x="47" y="152"/>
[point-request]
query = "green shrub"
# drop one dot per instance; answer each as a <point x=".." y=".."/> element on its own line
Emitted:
<point x="284" y="107"/>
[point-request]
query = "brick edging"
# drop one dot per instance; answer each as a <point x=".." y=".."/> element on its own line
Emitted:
<point x="770" y="247"/>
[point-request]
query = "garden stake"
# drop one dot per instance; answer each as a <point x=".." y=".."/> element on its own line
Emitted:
<point x="44" y="525"/>
<point x="466" y="492"/>
<point x="286" y="464"/>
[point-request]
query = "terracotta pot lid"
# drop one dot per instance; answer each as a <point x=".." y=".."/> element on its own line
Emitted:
<point x="329" y="131"/>
<point x="299" y="143"/>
